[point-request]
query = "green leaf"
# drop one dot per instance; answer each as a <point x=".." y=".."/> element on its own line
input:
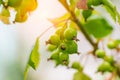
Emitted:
<point x="108" y="3"/>
<point x="81" y="76"/>
<point x="34" y="58"/>
<point x="97" y="26"/>
<point x="87" y="13"/>
<point x="111" y="8"/>
<point x="111" y="12"/>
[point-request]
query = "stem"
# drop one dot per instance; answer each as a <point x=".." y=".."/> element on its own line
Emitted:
<point x="26" y="72"/>
<point x="44" y="32"/>
<point x="87" y="36"/>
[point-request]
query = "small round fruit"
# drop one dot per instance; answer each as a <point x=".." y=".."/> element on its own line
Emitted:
<point x="100" y="53"/>
<point x="51" y="47"/>
<point x="117" y="41"/>
<point x="76" y="65"/>
<point x="63" y="47"/>
<point x="72" y="47"/>
<point x="109" y="59"/>
<point x="55" y="39"/>
<point x="81" y="76"/>
<point x="55" y="55"/>
<point x="70" y="33"/>
<point x="64" y="58"/>
<point x="112" y="44"/>
<point x="105" y="67"/>
<point x="58" y="31"/>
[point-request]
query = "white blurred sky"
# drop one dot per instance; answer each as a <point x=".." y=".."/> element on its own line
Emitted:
<point x="16" y="42"/>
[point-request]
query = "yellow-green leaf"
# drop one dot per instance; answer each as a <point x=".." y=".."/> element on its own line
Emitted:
<point x="34" y="58"/>
<point x="60" y="21"/>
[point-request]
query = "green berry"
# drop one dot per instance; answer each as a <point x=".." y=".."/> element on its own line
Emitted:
<point x="109" y="59"/>
<point x="72" y="47"/>
<point x="112" y="44"/>
<point x="105" y="67"/>
<point x="55" y="39"/>
<point x="100" y="53"/>
<point x="51" y="47"/>
<point x="59" y="30"/>
<point x="70" y="33"/>
<point x="55" y="55"/>
<point x="118" y="41"/>
<point x="64" y="58"/>
<point x="81" y="76"/>
<point x="63" y="47"/>
<point x="76" y="65"/>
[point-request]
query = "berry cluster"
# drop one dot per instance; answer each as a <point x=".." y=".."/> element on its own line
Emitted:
<point x="63" y="43"/>
<point x="108" y="63"/>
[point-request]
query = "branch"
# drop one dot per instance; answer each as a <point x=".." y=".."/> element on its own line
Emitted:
<point x="87" y="36"/>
